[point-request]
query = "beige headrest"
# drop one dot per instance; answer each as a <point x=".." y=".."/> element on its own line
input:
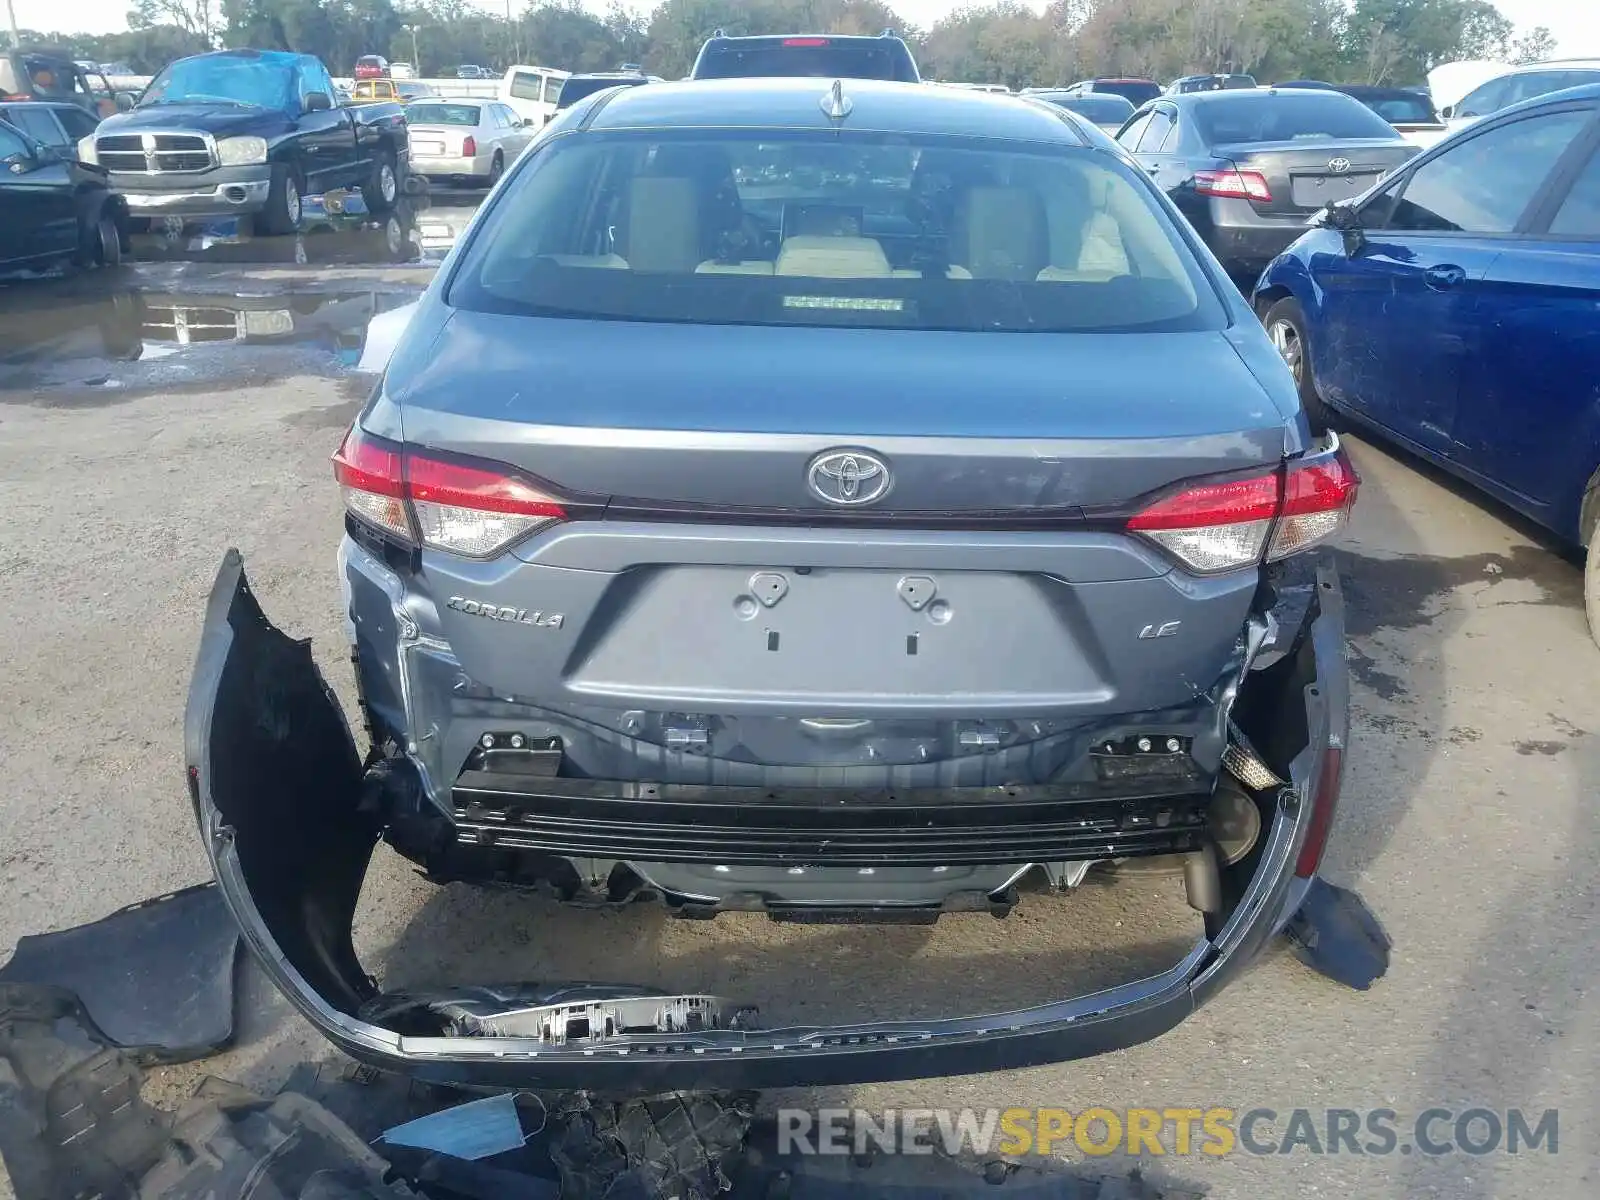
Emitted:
<point x="999" y="233"/>
<point x="663" y="224"/>
<point x="832" y="258"/>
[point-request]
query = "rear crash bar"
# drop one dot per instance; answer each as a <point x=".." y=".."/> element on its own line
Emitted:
<point x="276" y="783"/>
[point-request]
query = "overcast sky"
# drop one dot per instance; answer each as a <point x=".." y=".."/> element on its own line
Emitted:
<point x="1576" y="23"/>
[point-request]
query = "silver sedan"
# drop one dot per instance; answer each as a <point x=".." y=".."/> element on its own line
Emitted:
<point x="465" y="141"/>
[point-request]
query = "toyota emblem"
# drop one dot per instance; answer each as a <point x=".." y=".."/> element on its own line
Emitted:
<point x="847" y="477"/>
<point x="1338" y="165"/>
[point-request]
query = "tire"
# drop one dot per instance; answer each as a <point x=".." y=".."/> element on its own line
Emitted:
<point x="497" y="168"/>
<point x="1590" y="515"/>
<point x="1591" y="587"/>
<point x="1286" y="326"/>
<point x="382" y="188"/>
<point x="108" y="237"/>
<point x="284" y="201"/>
<point x="100" y="240"/>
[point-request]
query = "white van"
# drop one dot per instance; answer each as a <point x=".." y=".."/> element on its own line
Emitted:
<point x="532" y="91"/>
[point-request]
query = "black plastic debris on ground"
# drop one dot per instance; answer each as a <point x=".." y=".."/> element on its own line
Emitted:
<point x="679" y="1145"/>
<point x="230" y="1144"/>
<point x="1337" y="935"/>
<point x="72" y="1121"/>
<point x="157" y="978"/>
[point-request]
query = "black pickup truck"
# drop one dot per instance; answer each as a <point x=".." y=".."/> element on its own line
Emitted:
<point x="248" y="131"/>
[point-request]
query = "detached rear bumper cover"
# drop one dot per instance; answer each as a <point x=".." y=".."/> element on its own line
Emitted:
<point x="276" y="781"/>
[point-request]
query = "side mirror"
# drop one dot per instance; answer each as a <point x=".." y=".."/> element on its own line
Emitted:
<point x="1448" y="111"/>
<point x="1346" y="220"/>
<point x="318" y="102"/>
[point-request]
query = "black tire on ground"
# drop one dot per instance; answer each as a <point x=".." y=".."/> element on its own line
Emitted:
<point x="382" y="187"/>
<point x="1285" y="322"/>
<point x="284" y="199"/>
<point x="497" y="168"/>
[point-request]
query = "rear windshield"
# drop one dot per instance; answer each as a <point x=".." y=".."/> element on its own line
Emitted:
<point x="442" y="114"/>
<point x="1286" y="117"/>
<point x="824" y="228"/>
<point x="369" y="61"/>
<point x="1102" y="110"/>
<point x="575" y="88"/>
<point x="865" y="58"/>
<point x="1399" y="108"/>
<point x="1135" y="91"/>
<point x="49" y="77"/>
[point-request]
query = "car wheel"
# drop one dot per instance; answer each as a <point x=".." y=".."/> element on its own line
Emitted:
<point x="1286" y="326"/>
<point x="1591" y="563"/>
<point x="383" y="189"/>
<point x="108" y="241"/>
<point x="497" y="168"/>
<point x="284" y="200"/>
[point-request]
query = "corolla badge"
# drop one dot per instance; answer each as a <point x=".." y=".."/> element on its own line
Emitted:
<point x="847" y="477"/>
<point x="1338" y="165"/>
<point x="497" y="612"/>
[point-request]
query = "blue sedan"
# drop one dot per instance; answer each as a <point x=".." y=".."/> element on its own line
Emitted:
<point x="1456" y="309"/>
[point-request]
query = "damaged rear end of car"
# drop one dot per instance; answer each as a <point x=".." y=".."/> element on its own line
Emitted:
<point x="714" y="550"/>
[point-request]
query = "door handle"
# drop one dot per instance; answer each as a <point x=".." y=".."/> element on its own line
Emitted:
<point x="1443" y="278"/>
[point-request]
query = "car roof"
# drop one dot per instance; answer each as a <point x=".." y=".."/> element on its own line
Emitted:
<point x="1560" y="64"/>
<point x="1584" y="91"/>
<point x="1256" y="95"/>
<point x="43" y="104"/>
<point x="796" y="103"/>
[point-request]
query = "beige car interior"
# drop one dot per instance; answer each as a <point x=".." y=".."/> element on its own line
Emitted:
<point x="1084" y="233"/>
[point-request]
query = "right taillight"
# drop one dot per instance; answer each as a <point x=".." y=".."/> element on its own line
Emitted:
<point x="1226" y="525"/>
<point x="1317" y="497"/>
<point x="469" y="146"/>
<point x="1233" y="185"/>
<point x="470" y="508"/>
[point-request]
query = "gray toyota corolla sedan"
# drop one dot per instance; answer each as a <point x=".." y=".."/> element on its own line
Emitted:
<point x="840" y="500"/>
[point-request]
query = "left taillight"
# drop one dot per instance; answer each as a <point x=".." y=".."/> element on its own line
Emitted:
<point x="1226" y="525"/>
<point x="371" y="477"/>
<point x="469" y="508"/>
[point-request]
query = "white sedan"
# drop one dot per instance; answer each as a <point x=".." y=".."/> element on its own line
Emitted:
<point x="465" y="141"/>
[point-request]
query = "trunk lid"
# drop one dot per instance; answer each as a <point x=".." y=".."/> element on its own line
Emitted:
<point x="1305" y="175"/>
<point x="708" y="597"/>
<point x="438" y="139"/>
<point x="684" y="416"/>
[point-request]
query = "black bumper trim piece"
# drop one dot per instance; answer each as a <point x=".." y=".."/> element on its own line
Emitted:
<point x="825" y="827"/>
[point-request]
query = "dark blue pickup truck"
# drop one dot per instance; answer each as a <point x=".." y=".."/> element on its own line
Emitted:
<point x="248" y="131"/>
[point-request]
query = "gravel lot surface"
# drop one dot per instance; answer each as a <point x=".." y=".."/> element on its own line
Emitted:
<point x="1470" y="821"/>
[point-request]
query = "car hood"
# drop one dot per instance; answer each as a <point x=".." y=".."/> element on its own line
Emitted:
<point x="221" y="120"/>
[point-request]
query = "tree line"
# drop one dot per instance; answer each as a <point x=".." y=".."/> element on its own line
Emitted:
<point x="1004" y="41"/>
